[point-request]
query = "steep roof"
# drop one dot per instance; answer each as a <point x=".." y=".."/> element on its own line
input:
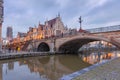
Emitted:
<point x="40" y="26"/>
<point x="52" y="21"/>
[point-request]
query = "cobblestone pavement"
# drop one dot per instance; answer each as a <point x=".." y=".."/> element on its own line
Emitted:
<point x="107" y="71"/>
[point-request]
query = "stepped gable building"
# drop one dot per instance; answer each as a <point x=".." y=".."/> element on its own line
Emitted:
<point x="40" y="31"/>
<point x="21" y="34"/>
<point x="51" y="28"/>
<point x="54" y="27"/>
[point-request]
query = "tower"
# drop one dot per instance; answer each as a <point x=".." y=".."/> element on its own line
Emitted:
<point x="9" y="33"/>
<point x="1" y="21"/>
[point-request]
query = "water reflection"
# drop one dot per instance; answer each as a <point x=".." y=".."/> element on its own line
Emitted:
<point x="50" y="67"/>
<point x="99" y="56"/>
<point x="41" y="68"/>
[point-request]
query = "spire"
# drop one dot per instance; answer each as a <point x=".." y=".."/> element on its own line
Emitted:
<point x="35" y="26"/>
<point x="58" y="14"/>
<point x="39" y="22"/>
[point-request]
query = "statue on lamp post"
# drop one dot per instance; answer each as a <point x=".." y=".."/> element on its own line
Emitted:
<point x="80" y="21"/>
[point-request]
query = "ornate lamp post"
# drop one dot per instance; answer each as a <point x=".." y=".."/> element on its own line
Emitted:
<point x="80" y="21"/>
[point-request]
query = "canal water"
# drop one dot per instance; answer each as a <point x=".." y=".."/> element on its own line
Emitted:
<point x="51" y="67"/>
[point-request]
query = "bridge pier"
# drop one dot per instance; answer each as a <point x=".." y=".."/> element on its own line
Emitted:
<point x="52" y="47"/>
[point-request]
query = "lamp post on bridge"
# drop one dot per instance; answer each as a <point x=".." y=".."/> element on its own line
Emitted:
<point x="81" y="30"/>
<point x="80" y="21"/>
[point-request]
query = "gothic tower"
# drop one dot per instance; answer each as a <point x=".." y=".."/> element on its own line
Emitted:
<point x="1" y="21"/>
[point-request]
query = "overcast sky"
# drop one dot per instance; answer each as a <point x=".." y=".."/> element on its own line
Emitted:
<point x="21" y="14"/>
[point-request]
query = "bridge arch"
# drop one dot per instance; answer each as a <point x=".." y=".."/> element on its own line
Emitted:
<point x="43" y="47"/>
<point x="73" y="45"/>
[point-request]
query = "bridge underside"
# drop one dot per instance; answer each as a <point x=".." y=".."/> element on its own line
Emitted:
<point x="43" y="47"/>
<point x="74" y="45"/>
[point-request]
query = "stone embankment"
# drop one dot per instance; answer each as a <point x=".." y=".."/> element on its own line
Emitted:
<point x="22" y="54"/>
<point x="109" y="70"/>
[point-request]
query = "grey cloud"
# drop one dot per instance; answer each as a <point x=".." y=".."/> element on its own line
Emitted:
<point x="25" y="13"/>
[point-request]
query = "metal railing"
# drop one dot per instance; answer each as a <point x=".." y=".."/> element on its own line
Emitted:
<point x="104" y="29"/>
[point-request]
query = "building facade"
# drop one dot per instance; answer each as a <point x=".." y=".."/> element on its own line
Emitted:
<point x="51" y="28"/>
<point x="9" y="34"/>
<point x="54" y="27"/>
<point x="1" y="21"/>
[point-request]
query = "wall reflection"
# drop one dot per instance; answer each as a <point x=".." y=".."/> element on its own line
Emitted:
<point x="51" y="67"/>
<point x="93" y="57"/>
<point x="47" y="68"/>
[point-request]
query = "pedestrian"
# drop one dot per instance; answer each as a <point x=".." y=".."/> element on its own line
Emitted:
<point x="9" y="49"/>
<point x="16" y="49"/>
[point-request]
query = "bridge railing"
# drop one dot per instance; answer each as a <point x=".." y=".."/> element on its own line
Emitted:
<point x="71" y="34"/>
<point x="104" y="29"/>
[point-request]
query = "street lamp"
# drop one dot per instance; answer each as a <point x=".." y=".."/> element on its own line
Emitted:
<point x="80" y="21"/>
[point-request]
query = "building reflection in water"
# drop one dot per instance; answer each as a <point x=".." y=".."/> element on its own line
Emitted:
<point x="50" y="67"/>
<point x="41" y="68"/>
<point x="98" y="56"/>
<point x="1" y="78"/>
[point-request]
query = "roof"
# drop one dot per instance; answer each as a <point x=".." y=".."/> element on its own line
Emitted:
<point x="53" y="21"/>
<point x="40" y="26"/>
<point x="20" y="34"/>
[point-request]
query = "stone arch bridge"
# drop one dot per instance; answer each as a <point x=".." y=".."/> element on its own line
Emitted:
<point x="72" y="43"/>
